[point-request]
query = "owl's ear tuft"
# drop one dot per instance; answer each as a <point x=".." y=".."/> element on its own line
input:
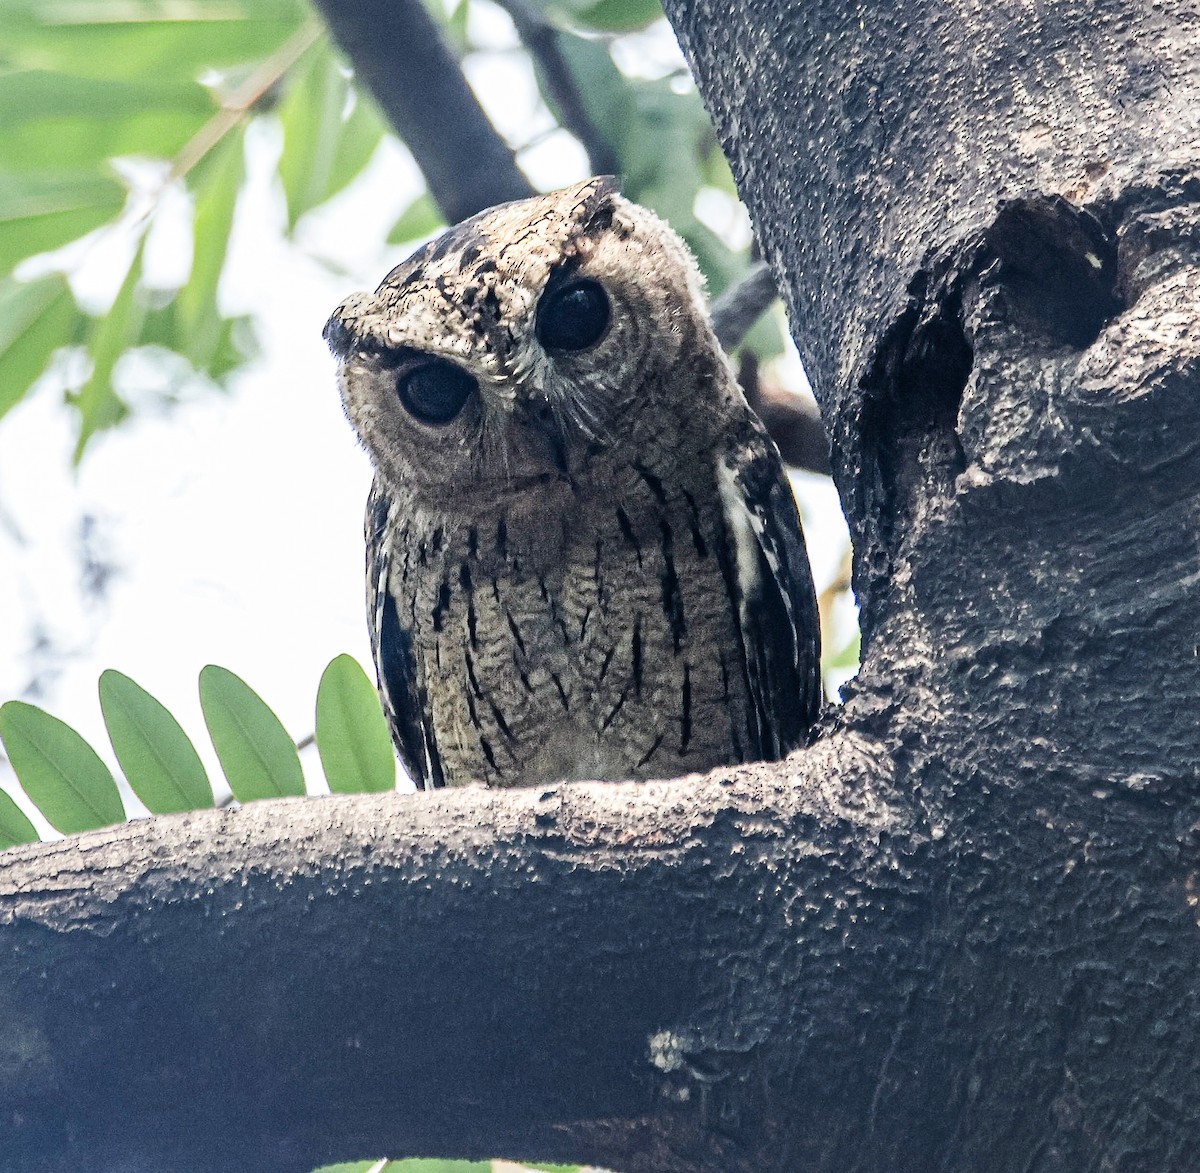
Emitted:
<point x="594" y="213"/>
<point x="348" y="328"/>
<point x="342" y="340"/>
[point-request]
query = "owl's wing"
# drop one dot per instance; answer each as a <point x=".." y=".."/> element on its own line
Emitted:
<point x="405" y="701"/>
<point x="775" y="606"/>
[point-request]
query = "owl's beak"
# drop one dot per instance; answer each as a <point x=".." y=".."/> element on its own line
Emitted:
<point x="539" y="418"/>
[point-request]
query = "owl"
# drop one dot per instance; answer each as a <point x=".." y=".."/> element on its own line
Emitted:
<point x="583" y="556"/>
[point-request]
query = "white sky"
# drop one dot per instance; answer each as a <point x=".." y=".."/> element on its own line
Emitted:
<point x="235" y="520"/>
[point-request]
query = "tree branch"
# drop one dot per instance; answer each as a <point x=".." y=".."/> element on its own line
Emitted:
<point x="958" y="932"/>
<point x="796" y="427"/>
<point x="546" y="973"/>
<point x="400" y="56"/>
<point x="742" y="304"/>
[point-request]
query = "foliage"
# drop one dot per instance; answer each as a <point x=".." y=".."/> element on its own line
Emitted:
<point x="82" y="85"/>
<point x="64" y="777"/>
<point x="87" y="87"/>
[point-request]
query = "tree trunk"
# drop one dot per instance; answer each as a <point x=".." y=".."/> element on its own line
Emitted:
<point x="960" y="932"/>
<point x="987" y="222"/>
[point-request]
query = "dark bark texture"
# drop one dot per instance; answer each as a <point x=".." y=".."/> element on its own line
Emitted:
<point x="986" y="220"/>
<point x="960" y="931"/>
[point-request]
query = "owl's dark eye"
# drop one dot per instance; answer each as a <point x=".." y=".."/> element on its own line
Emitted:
<point x="434" y="392"/>
<point x="573" y="316"/>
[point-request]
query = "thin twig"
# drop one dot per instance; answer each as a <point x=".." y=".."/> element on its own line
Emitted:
<point x="235" y="108"/>
<point x="541" y="38"/>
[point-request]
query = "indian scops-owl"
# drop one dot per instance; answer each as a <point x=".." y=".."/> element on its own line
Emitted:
<point x="583" y="557"/>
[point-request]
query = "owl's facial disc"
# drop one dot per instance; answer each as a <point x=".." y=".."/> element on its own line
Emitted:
<point x="513" y="351"/>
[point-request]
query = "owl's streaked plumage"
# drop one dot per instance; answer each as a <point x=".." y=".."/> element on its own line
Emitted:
<point x="583" y="557"/>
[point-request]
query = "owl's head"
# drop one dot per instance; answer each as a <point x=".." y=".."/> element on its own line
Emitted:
<point x="508" y="352"/>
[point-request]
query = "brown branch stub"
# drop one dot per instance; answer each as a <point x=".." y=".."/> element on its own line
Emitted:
<point x="400" y="55"/>
<point x="794" y="422"/>
<point x="796" y="427"/>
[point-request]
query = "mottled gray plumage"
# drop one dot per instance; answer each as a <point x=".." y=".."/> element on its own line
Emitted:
<point x="583" y="557"/>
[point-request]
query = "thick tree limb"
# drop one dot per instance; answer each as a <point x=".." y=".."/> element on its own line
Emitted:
<point x="542" y="973"/>
<point x="990" y="253"/>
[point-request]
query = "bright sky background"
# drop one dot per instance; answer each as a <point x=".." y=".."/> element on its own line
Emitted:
<point x="233" y="522"/>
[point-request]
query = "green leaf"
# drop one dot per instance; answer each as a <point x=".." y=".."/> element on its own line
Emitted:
<point x="217" y="180"/>
<point x="43" y="210"/>
<point x="136" y="38"/>
<point x="362" y="131"/>
<point x="324" y="147"/>
<point x="619" y="16"/>
<point x="160" y="327"/>
<point x="667" y="180"/>
<point x="419" y="1165"/>
<point x="607" y="16"/>
<point x="716" y="172"/>
<point x="349" y="1167"/>
<point x="60" y="772"/>
<point x="51" y="120"/>
<point x="160" y="762"/>
<point x="35" y="95"/>
<point x="553" y="1168"/>
<point x="255" y="751"/>
<point x="846" y="656"/>
<point x="454" y="28"/>
<point x="419" y="219"/>
<point x="14" y="826"/>
<point x="606" y="93"/>
<point x="312" y="119"/>
<point x="236" y="343"/>
<point x="765" y="338"/>
<point x="97" y="402"/>
<point x="352" y="733"/>
<point x="36" y="318"/>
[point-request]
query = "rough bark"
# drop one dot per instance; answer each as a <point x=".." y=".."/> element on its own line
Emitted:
<point x="960" y="931"/>
<point x="986" y="220"/>
<point x="541" y="973"/>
